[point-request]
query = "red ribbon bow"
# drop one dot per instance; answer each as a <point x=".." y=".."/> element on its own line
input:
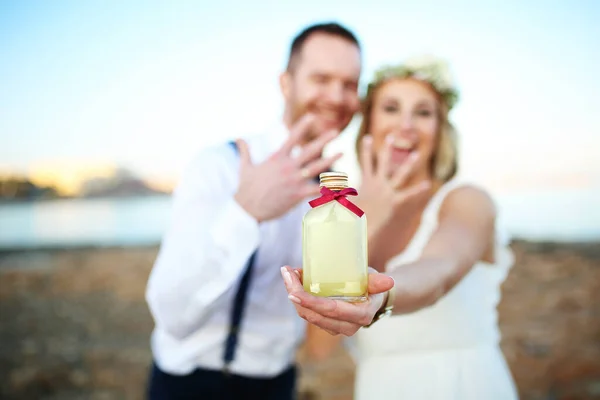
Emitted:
<point x="328" y="195"/>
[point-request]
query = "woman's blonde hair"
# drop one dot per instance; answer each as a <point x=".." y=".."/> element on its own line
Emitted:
<point x="444" y="162"/>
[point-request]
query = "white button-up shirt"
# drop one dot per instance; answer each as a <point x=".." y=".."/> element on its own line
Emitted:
<point x="202" y="258"/>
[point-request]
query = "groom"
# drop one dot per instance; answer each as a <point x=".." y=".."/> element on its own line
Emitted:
<point x="224" y="327"/>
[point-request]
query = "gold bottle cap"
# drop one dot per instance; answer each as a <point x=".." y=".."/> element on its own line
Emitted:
<point x="334" y="180"/>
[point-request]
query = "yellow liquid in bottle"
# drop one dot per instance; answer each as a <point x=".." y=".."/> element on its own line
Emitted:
<point x="335" y="253"/>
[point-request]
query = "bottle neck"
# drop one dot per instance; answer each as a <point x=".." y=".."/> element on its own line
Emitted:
<point x="335" y="188"/>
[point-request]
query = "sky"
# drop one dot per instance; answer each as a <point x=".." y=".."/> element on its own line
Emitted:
<point x="147" y="84"/>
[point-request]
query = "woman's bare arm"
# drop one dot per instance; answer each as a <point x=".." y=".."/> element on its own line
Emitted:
<point x="464" y="234"/>
<point x="320" y="344"/>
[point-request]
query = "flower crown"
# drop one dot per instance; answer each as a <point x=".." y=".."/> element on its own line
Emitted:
<point x="426" y="68"/>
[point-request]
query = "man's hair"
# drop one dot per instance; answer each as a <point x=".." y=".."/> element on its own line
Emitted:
<point x="329" y="28"/>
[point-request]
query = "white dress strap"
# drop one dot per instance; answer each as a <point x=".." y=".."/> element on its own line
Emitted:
<point x="433" y="208"/>
<point x="429" y="222"/>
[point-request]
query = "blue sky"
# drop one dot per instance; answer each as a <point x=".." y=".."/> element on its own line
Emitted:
<point x="147" y="84"/>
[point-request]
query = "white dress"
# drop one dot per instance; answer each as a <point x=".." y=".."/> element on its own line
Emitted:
<point x="449" y="351"/>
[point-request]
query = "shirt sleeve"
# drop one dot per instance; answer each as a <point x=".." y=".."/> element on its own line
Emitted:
<point x="205" y="249"/>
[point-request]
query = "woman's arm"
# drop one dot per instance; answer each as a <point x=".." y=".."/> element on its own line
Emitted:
<point x="464" y="235"/>
<point x="320" y="344"/>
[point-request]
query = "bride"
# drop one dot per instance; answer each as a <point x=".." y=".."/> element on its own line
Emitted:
<point x="445" y="253"/>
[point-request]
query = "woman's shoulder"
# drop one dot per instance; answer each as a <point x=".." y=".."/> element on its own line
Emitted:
<point x="457" y="195"/>
<point x="468" y="195"/>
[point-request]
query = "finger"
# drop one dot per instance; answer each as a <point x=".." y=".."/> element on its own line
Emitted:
<point x="296" y="292"/>
<point x="298" y="132"/>
<point x="355" y="313"/>
<point x="384" y="156"/>
<point x="244" y="151"/>
<point x="402" y="173"/>
<point x="291" y="279"/>
<point x="332" y="326"/>
<point x="322" y="164"/>
<point x="314" y="149"/>
<point x="332" y="333"/>
<point x="413" y="193"/>
<point x="366" y="155"/>
<point x="379" y="283"/>
<point x="298" y="272"/>
<point x="309" y="190"/>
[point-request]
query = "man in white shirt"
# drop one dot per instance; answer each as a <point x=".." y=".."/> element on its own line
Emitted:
<point x="225" y="328"/>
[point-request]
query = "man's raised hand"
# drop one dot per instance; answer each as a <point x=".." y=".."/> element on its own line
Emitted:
<point x="271" y="188"/>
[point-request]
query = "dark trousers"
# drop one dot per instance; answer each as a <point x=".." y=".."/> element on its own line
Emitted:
<point x="204" y="384"/>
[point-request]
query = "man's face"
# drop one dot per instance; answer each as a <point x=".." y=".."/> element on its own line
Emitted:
<point x="324" y="81"/>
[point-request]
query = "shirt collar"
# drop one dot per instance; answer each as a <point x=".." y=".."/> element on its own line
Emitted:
<point x="277" y="134"/>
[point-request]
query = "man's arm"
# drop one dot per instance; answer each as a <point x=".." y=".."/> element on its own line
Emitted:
<point x="205" y="249"/>
<point x="212" y="236"/>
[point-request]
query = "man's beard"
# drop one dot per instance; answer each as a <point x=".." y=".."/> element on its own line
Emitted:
<point x="298" y="111"/>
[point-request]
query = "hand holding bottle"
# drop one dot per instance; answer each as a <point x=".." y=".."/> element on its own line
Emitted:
<point x="271" y="188"/>
<point x="337" y="316"/>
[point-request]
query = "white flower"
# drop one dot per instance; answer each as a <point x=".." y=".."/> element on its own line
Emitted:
<point x="421" y="62"/>
<point x="426" y="68"/>
<point x="433" y="69"/>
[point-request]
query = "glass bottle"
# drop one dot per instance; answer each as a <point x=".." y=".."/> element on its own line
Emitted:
<point x="334" y="244"/>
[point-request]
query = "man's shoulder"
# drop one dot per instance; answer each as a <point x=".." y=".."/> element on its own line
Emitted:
<point x="215" y="151"/>
<point x="226" y="151"/>
<point x="224" y="154"/>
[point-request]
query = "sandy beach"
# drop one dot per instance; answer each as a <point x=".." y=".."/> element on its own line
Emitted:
<point x="75" y="325"/>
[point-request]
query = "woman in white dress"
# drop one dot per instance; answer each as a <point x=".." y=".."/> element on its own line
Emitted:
<point x="445" y="253"/>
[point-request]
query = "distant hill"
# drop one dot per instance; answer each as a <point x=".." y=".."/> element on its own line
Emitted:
<point x="20" y="188"/>
<point x="122" y="183"/>
<point x="134" y="187"/>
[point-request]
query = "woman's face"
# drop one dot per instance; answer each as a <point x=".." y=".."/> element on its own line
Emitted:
<point x="405" y="112"/>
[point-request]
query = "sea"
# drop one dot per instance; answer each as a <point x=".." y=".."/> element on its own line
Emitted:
<point x="559" y="216"/>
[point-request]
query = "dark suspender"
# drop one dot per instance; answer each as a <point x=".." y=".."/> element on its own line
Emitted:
<point x="238" y="308"/>
<point x="237" y="311"/>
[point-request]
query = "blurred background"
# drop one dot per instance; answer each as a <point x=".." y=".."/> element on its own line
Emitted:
<point x="102" y="104"/>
